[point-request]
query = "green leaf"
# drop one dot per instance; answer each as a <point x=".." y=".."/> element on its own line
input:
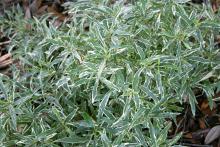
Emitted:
<point x="71" y="115"/>
<point x="135" y="82"/>
<point x="140" y="136"/>
<point x="159" y="84"/>
<point x="153" y="134"/>
<point x="109" y="84"/>
<point x="163" y="134"/>
<point x="105" y="140"/>
<point x="2" y="87"/>
<point x="95" y="88"/>
<point x="192" y="100"/>
<point x="182" y="1"/>
<point x="103" y="104"/>
<point x="149" y="93"/>
<point x="175" y="139"/>
<point x="140" y="52"/>
<point x="73" y="139"/>
<point x="2" y="134"/>
<point x="13" y="117"/>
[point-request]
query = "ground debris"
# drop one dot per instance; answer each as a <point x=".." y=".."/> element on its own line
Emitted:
<point x="200" y="130"/>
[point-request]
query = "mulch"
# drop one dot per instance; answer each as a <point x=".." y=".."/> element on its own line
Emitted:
<point x="200" y="130"/>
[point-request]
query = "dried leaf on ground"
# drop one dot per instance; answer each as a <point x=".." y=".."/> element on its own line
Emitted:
<point x="42" y="10"/>
<point x="35" y="5"/>
<point x="202" y="124"/>
<point x="213" y="134"/>
<point x="200" y="134"/>
<point x="4" y="57"/>
<point x="5" y="61"/>
<point x="205" y="108"/>
<point x="215" y="5"/>
<point x="27" y="13"/>
<point x="55" y="10"/>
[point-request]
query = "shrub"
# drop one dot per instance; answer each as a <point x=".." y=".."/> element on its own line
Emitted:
<point x="116" y="83"/>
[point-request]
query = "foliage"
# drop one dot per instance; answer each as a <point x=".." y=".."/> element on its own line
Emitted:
<point x="116" y="84"/>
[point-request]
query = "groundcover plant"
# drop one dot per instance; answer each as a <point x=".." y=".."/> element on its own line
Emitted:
<point x="112" y="75"/>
